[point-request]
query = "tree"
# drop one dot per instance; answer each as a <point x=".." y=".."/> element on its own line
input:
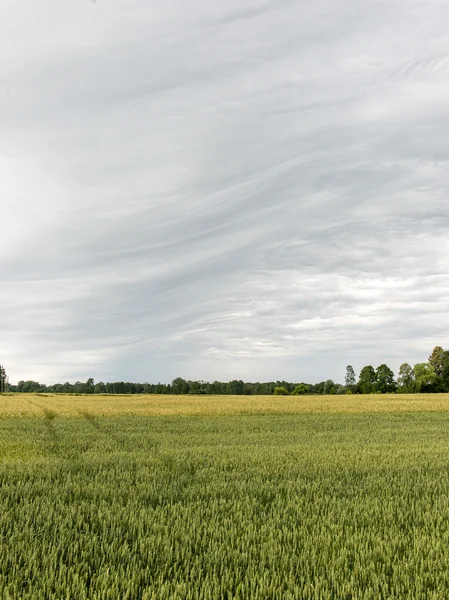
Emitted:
<point x="236" y="387"/>
<point x="350" y="380"/>
<point x="180" y="386"/>
<point x="197" y="387"/>
<point x="439" y="359"/>
<point x="385" y="382"/>
<point x="99" y="388"/>
<point x="329" y="387"/>
<point x="281" y="391"/>
<point x="3" y="379"/>
<point x="30" y="386"/>
<point x="425" y="377"/>
<point x="367" y="380"/>
<point x="406" y="379"/>
<point x="301" y="389"/>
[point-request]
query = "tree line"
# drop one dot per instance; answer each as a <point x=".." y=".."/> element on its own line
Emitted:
<point x="428" y="377"/>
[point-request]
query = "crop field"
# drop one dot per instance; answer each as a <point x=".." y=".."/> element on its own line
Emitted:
<point x="217" y="498"/>
<point x="19" y="405"/>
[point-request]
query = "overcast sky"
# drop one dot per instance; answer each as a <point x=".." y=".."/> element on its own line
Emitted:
<point x="222" y="189"/>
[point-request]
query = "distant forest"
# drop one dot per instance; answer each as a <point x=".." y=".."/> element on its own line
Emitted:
<point x="429" y="377"/>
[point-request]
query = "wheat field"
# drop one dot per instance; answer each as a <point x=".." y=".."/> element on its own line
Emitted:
<point x="24" y="405"/>
<point x="215" y="498"/>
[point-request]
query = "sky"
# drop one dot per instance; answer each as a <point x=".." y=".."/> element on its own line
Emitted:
<point x="219" y="189"/>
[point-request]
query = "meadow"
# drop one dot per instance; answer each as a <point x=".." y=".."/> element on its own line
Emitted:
<point x="234" y="497"/>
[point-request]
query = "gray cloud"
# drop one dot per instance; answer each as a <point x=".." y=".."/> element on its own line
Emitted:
<point x="217" y="192"/>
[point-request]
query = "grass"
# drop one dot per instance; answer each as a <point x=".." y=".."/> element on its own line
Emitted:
<point x="297" y="504"/>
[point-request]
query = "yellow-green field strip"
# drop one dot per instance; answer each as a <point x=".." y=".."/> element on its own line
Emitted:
<point x="26" y="405"/>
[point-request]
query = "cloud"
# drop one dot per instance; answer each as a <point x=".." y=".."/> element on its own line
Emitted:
<point x="217" y="192"/>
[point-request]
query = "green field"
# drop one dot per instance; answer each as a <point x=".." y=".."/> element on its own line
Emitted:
<point x="255" y="506"/>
